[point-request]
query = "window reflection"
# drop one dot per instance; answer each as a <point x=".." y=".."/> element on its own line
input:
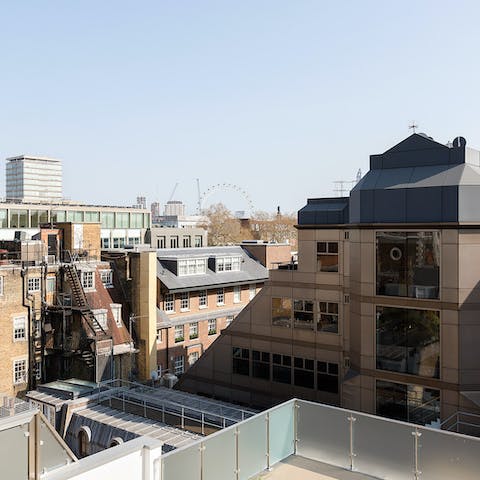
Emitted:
<point x="408" y="341"/>
<point x="408" y="264"/>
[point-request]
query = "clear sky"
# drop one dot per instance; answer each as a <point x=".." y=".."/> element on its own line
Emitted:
<point x="279" y="97"/>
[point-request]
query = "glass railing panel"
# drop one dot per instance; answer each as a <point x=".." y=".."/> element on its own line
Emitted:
<point x="323" y="434"/>
<point x="281" y="432"/>
<point x="252" y="447"/>
<point x="219" y="456"/>
<point x="448" y="455"/>
<point x="182" y="463"/>
<point x="383" y="448"/>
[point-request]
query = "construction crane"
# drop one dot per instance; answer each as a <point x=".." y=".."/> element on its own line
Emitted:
<point x="173" y="192"/>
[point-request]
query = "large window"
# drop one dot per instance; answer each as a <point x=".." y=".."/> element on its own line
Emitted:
<point x="303" y="372"/>
<point x="237" y="294"/>
<point x="281" y="368"/>
<point x="192" y="266"/>
<point x="184" y="301"/>
<point x="228" y="264"/>
<point x="240" y="361"/>
<point x="169" y="303"/>
<point x="328" y="317"/>
<point x="220" y="296"/>
<point x="408" y="341"/>
<point x="88" y="279"/>
<point x="261" y="365"/>
<point x="327" y="377"/>
<point x="178" y="365"/>
<point x="212" y="326"/>
<point x="179" y="333"/>
<point x="408" y="264"/>
<point x="327" y="256"/>
<point x="202" y="299"/>
<point x="19" y="371"/>
<point x="303" y="314"/>
<point x="107" y="278"/>
<point x="410" y="403"/>
<point x="282" y="311"/>
<point x="19" y="328"/>
<point x="33" y="285"/>
<point x="193" y="330"/>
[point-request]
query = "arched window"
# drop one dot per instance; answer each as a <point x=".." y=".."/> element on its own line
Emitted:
<point x="115" y="441"/>
<point x="84" y="438"/>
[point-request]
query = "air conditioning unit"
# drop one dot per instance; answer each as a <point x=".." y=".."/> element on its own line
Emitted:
<point x="170" y="380"/>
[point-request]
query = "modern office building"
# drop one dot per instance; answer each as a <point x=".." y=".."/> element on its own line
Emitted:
<point x="382" y="314"/>
<point x="33" y="179"/>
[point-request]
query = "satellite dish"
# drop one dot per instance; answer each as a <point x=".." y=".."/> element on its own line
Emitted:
<point x="459" y="142"/>
<point x="154" y="375"/>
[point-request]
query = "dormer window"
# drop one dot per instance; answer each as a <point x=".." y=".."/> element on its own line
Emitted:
<point x="192" y="266"/>
<point x="228" y="264"/>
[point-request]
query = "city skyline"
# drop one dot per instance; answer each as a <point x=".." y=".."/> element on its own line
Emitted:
<point x="260" y="95"/>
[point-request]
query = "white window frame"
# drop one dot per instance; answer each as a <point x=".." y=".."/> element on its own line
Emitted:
<point x="193" y="330"/>
<point x="2" y="285"/>
<point x="116" y="309"/>
<point x="184" y="302"/>
<point x="51" y="284"/>
<point x="20" y="371"/>
<point x="220" y="296"/>
<point x="88" y="279"/>
<point x="101" y="317"/>
<point x="202" y="299"/>
<point x="229" y="320"/>
<point x="191" y="266"/>
<point x="33" y="284"/>
<point x="169" y="303"/>
<point x="228" y="264"/>
<point x="159" y="335"/>
<point x="179" y="333"/>
<point x="178" y="365"/>
<point x="107" y="278"/>
<point x="212" y="326"/>
<point x="191" y="355"/>
<point x="237" y="294"/>
<point x="19" y="325"/>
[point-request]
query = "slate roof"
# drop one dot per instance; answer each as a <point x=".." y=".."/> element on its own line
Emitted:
<point x="251" y="271"/>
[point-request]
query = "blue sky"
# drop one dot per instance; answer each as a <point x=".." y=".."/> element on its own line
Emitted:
<point x="279" y="97"/>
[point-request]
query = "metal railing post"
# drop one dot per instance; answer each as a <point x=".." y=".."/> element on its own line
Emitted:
<point x="202" y="449"/>
<point x="296" y="408"/>
<point x="183" y="418"/>
<point x="203" y="423"/>
<point x="351" y="419"/>
<point x="237" y="463"/>
<point x="267" y="421"/>
<point x="163" y="412"/>
<point x="416" y="435"/>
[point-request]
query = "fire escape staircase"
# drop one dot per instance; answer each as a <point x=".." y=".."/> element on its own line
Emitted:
<point x="80" y="302"/>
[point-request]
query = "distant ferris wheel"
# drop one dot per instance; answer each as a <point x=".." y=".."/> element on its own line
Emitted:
<point x="202" y="197"/>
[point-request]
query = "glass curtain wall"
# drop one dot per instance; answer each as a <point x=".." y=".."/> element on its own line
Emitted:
<point x="408" y="264"/>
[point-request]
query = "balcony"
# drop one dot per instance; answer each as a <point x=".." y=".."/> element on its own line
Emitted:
<point x="300" y="439"/>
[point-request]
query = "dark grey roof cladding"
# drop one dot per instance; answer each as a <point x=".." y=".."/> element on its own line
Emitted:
<point x="251" y="270"/>
<point x="320" y="211"/>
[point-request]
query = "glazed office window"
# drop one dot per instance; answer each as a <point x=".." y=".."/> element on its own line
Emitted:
<point x="240" y="361"/>
<point x="37" y="217"/>
<point x="303" y="372"/>
<point x="408" y="341"/>
<point x="184" y="301"/>
<point x="179" y="333"/>
<point x="169" y="303"/>
<point x="409" y="403"/>
<point x="187" y="241"/>
<point x="408" y="264"/>
<point x="18" y="219"/>
<point x="193" y="330"/>
<point x="161" y="242"/>
<point x="108" y="220"/>
<point x="303" y="315"/>
<point x="122" y="220"/>
<point x="174" y="241"/>
<point x="328" y="317"/>
<point x="202" y="299"/>
<point x="327" y="256"/>
<point x="136" y="220"/>
<point x="93" y="217"/>
<point x="327" y="377"/>
<point x="261" y="365"/>
<point x="3" y="219"/>
<point x="228" y="264"/>
<point x="198" y="241"/>
<point x="281" y="368"/>
<point x="282" y="311"/>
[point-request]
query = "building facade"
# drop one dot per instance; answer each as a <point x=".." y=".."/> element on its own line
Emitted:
<point x="177" y="237"/>
<point x="381" y="314"/>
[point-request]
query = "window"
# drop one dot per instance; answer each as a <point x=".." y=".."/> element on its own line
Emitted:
<point x="237" y="294"/>
<point x="327" y="377"/>
<point x="229" y="320"/>
<point x="38" y="374"/>
<point x="410" y="403"/>
<point x="408" y="264"/>
<point x="303" y="314"/>
<point x="174" y="241"/>
<point x="198" y="241"/>
<point x="1" y="285"/>
<point x="107" y="278"/>
<point x="161" y="242"/>
<point x="228" y="264"/>
<point x="327" y="256"/>
<point x="19" y="329"/>
<point x="303" y="375"/>
<point x="193" y="357"/>
<point x="187" y="242"/>
<point x="33" y="285"/>
<point x="122" y="220"/>
<point x="178" y="365"/>
<point x="105" y="243"/>
<point x="108" y="220"/>
<point x="159" y="335"/>
<point x="261" y="365"/>
<point x="193" y="330"/>
<point x="192" y="266"/>
<point x="84" y="436"/>
<point x="408" y="341"/>
<point x="101" y="317"/>
<point x="282" y="311"/>
<point x="51" y="284"/>
<point x="88" y="279"/>
<point x="240" y="361"/>
<point x="133" y="240"/>
<point x="19" y="371"/>
<point x="179" y="333"/>
<point x="220" y="296"/>
<point x="184" y="301"/>
<point x="202" y="299"/>
<point x="252" y="290"/>
<point x="117" y="313"/>
<point x="328" y="317"/>
<point x="212" y="326"/>
<point x="169" y="303"/>
<point x="282" y="368"/>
